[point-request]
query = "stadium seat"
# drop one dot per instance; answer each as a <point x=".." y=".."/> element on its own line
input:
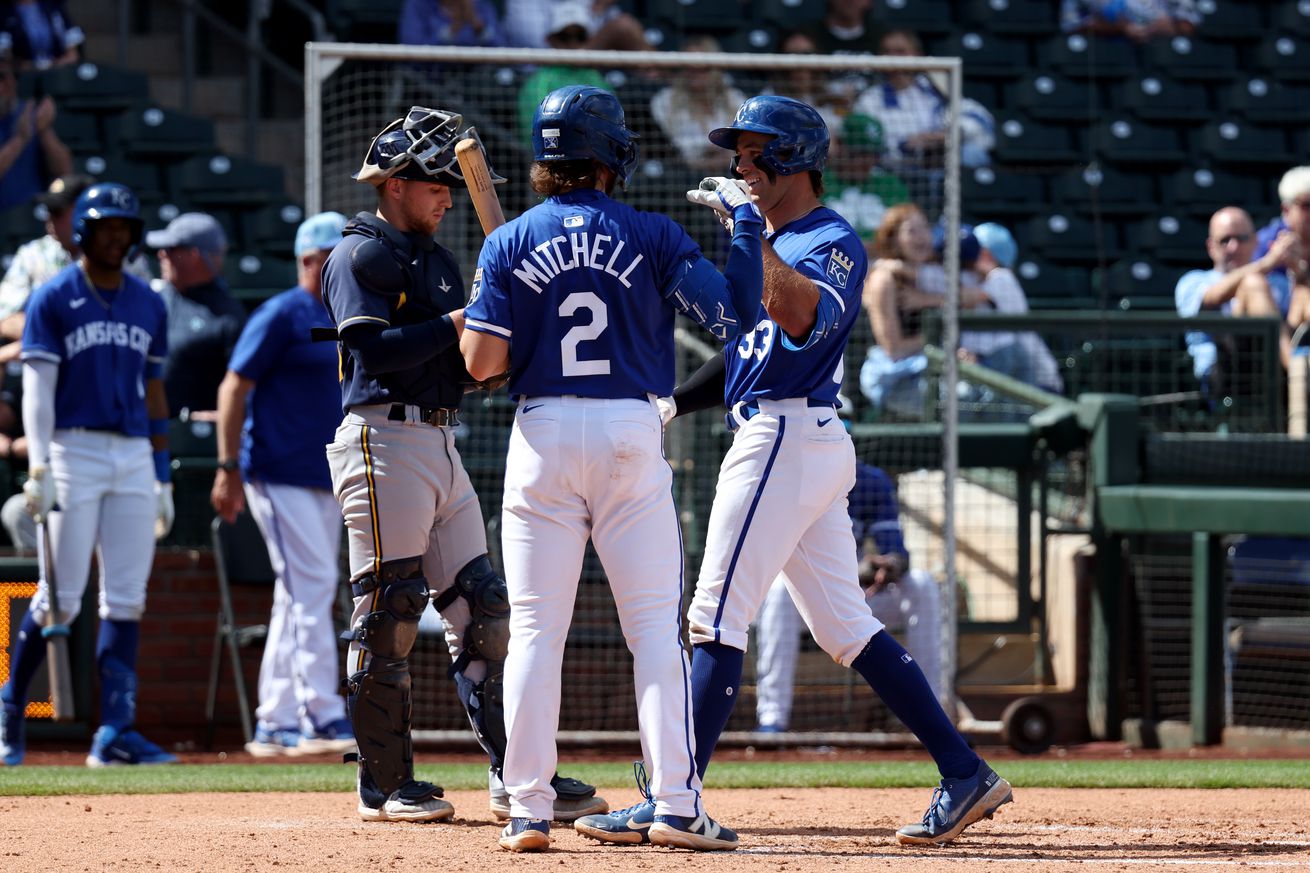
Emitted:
<point x="1067" y="238"/>
<point x="1264" y="101"/>
<point x="20" y="224"/>
<point x="752" y="39"/>
<point x="364" y="20"/>
<point x="1193" y="59"/>
<point x="247" y="272"/>
<point x="219" y="180"/>
<point x="1139" y="283"/>
<point x="1233" y="142"/>
<point x="1290" y="18"/>
<point x="1234" y="21"/>
<point x="1172" y="239"/>
<point x="1285" y="57"/>
<point x="1094" y="188"/>
<point x="142" y="177"/>
<point x="1044" y="97"/>
<point x="921" y="16"/>
<point x="983" y="91"/>
<point x="1160" y="98"/>
<point x="1030" y="18"/>
<point x="88" y="87"/>
<point x="1201" y="191"/>
<point x="1049" y="286"/>
<point x="1078" y="56"/>
<point x="987" y="193"/>
<point x="1125" y="141"/>
<point x="147" y="131"/>
<point x="790" y="14"/>
<point x="1020" y="141"/>
<point x="80" y="132"/>
<point x="696" y="16"/>
<point x="984" y="56"/>
<point x="272" y="229"/>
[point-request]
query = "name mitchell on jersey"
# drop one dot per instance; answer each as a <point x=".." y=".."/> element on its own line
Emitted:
<point x="550" y="262"/>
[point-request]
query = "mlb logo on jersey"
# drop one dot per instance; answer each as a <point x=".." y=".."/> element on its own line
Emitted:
<point x="573" y="221"/>
<point x="839" y="268"/>
<point x="550" y="138"/>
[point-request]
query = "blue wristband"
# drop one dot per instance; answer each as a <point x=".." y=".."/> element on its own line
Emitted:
<point x="163" y="468"/>
<point x="158" y="426"/>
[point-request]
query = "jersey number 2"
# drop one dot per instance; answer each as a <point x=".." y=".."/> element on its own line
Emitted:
<point x="568" y="346"/>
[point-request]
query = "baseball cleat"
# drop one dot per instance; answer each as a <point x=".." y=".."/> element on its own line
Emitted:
<point x="337" y="737"/>
<point x="273" y="742"/>
<point x="114" y="747"/>
<point x="526" y="835"/>
<point x="701" y="833"/>
<point x="13" y="744"/>
<point x="573" y="799"/>
<point x="955" y="805"/>
<point x="629" y="826"/>
<point x="413" y="801"/>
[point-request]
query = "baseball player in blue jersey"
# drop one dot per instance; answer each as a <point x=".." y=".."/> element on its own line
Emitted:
<point x="780" y="503"/>
<point x="414" y="527"/>
<point x="97" y="427"/>
<point x="278" y="405"/>
<point x="577" y="298"/>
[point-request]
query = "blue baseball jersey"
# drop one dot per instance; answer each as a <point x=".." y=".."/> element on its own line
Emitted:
<point x="874" y="511"/>
<point x="766" y="363"/>
<point x="575" y="285"/>
<point x="106" y="343"/>
<point x="295" y="406"/>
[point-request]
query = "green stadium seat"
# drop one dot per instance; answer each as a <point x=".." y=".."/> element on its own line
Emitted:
<point x="1201" y="191"/>
<point x="143" y="178"/>
<point x="1234" y="21"/>
<point x="1159" y="98"/>
<point x="1285" y="57"/>
<point x="1067" y="238"/>
<point x="1264" y="101"/>
<point x="1030" y="18"/>
<point x="1290" y="18"/>
<point x="80" y="132"/>
<point x="1020" y="141"/>
<point x="364" y="20"/>
<point x="984" y="56"/>
<point x="921" y="16"/>
<point x="271" y="229"/>
<point x="1044" y="97"/>
<point x="1125" y="141"/>
<point x="696" y="16"/>
<point x="747" y="40"/>
<point x="790" y="14"/>
<point x="988" y="193"/>
<point x="1094" y="188"/>
<point x="1080" y="57"/>
<point x="1233" y="142"/>
<point x="1051" y="286"/>
<point x="18" y="225"/>
<point x="89" y="87"/>
<point x="220" y="180"/>
<point x="248" y="272"/>
<point x="1172" y="239"/>
<point x="1193" y="59"/>
<point x="147" y="131"/>
<point x="1139" y="283"/>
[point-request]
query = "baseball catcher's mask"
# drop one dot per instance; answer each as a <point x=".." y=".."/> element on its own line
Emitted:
<point x="419" y="148"/>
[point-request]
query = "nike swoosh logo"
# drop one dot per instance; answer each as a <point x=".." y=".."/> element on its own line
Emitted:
<point x="532" y="407"/>
<point x="74" y="304"/>
<point x="635" y="825"/>
<point x="824" y="421"/>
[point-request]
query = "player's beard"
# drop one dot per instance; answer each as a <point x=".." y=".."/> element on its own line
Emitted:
<point x="419" y="219"/>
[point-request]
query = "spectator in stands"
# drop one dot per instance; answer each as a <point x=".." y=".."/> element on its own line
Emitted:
<point x="807" y="85"/>
<point x="570" y="23"/>
<point x="39" y="260"/>
<point x="1290" y="284"/>
<point x="40" y="32"/>
<point x="31" y="153"/>
<point x="279" y="404"/>
<point x="914" y="113"/>
<point x="204" y="320"/>
<point x="901" y="285"/>
<point x="856" y="185"/>
<point x="1238" y="284"/>
<point x="529" y="24"/>
<point x="450" y="22"/>
<point x="698" y="100"/>
<point x="847" y="28"/>
<point x="903" y="599"/>
<point x="1022" y="355"/>
<point x="1137" y="20"/>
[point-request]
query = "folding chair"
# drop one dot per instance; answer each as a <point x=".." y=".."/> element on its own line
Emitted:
<point x="240" y="558"/>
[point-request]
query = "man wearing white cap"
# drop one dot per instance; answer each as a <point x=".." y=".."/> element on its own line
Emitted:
<point x="204" y="320"/>
<point x="278" y="406"/>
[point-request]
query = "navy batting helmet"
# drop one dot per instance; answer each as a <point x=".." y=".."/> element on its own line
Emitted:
<point x="578" y="122"/>
<point x="800" y="138"/>
<point x="106" y="200"/>
<point x="419" y="148"/>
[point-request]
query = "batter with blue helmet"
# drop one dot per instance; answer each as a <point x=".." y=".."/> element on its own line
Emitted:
<point x="577" y="297"/>
<point x="780" y="506"/>
<point x="97" y="427"/>
<point x="413" y="523"/>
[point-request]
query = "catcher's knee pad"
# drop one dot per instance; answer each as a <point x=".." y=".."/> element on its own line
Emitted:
<point x="487" y="636"/>
<point x="399" y="596"/>
<point x="485" y="704"/>
<point x="379" y="703"/>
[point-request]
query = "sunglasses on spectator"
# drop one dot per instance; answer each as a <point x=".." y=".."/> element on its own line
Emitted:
<point x="571" y="36"/>
<point x="1242" y="238"/>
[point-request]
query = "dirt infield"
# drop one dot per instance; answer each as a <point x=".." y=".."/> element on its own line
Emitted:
<point x="793" y="830"/>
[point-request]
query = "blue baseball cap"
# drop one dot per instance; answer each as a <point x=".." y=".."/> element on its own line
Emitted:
<point x="319" y="232"/>
<point x="999" y="241"/>
<point x="190" y="230"/>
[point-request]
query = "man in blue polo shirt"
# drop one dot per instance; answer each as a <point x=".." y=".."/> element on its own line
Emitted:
<point x="278" y="406"/>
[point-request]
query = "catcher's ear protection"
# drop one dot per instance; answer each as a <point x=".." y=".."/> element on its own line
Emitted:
<point x="800" y="136"/>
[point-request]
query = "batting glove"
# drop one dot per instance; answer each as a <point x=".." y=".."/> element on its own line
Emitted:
<point x="39" y="492"/>
<point x="729" y="198"/>
<point x="164" y="510"/>
<point x="668" y="408"/>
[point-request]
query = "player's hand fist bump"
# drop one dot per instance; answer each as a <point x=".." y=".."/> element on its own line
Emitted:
<point x="164" y="511"/>
<point x="730" y="198"/>
<point x="39" y="491"/>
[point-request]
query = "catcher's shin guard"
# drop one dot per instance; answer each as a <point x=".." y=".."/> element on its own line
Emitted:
<point x="485" y="704"/>
<point x="379" y="699"/>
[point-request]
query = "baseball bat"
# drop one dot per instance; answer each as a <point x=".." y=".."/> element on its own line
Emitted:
<point x="481" y="184"/>
<point x="56" y="636"/>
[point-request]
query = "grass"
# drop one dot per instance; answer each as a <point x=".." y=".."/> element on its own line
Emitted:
<point x="1036" y="773"/>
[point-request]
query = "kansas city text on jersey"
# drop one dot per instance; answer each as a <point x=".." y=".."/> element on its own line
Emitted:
<point x="106" y="333"/>
<point x="560" y="254"/>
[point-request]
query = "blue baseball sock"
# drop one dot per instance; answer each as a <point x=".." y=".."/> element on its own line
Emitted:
<point x="715" y="683"/>
<point x="29" y="652"/>
<point x="897" y="679"/>
<point x="116" y="649"/>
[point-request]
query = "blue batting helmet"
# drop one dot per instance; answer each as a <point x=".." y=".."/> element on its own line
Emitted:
<point x="800" y="137"/>
<point x="580" y="122"/>
<point x="106" y="200"/>
<point x="418" y="148"/>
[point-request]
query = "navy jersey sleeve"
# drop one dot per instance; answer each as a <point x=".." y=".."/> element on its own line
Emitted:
<point x="488" y="309"/>
<point x="349" y="301"/>
<point x="262" y="342"/>
<point x="836" y="263"/>
<point x="42" y="331"/>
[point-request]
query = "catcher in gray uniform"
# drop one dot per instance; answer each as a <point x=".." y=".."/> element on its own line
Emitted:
<point x="414" y="526"/>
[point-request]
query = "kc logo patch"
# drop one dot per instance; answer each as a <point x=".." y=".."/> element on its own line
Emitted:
<point x="550" y="138"/>
<point x="477" y="284"/>
<point x="839" y="268"/>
